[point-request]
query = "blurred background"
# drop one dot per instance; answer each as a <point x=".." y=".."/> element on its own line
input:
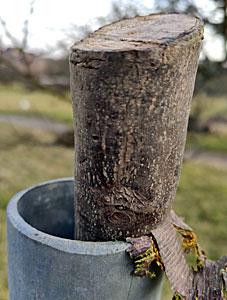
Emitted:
<point x="36" y="126"/>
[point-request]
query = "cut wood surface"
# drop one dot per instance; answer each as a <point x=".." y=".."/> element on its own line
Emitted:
<point x="131" y="84"/>
<point x="141" y="33"/>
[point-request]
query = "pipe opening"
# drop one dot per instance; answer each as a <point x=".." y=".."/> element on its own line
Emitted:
<point x="50" y="209"/>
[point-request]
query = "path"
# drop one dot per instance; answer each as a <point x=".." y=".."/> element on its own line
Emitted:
<point x="34" y="123"/>
<point x="60" y="128"/>
<point x="210" y="158"/>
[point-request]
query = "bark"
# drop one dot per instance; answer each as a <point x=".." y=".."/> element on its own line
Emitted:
<point x="209" y="283"/>
<point x="131" y="84"/>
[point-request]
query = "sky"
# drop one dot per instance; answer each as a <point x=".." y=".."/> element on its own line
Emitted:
<point x="52" y="20"/>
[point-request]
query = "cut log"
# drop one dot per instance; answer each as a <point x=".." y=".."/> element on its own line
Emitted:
<point x="131" y="85"/>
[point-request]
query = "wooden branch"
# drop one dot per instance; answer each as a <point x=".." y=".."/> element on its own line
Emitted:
<point x="132" y="84"/>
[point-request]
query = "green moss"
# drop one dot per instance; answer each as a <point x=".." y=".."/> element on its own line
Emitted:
<point x="178" y="296"/>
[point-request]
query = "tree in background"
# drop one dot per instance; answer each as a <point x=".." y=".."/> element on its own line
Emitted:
<point x="19" y="64"/>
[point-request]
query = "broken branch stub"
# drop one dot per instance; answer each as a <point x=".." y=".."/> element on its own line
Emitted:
<point x="131" y="84"/>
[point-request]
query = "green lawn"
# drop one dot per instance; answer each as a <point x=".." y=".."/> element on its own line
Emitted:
<point x="16" y="100"/>
<point x="31" y="156"/>
<point x="209" y="106"/>
<point x="216" y="142"/>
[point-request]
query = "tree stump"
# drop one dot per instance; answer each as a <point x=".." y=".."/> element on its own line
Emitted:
<point x="131" y="84"/>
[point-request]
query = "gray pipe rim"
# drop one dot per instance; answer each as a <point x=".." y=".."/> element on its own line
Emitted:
<point x="62" y="244"/>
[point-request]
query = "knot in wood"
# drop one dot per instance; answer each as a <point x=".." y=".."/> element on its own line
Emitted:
<point x="123" y="198"/>
<point x="121" y="205"/>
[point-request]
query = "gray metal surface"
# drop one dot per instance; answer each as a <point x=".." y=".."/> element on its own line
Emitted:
<point x="46" y="263"/>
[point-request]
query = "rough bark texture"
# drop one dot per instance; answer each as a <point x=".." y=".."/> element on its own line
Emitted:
<point x="131" y="84"/>
<point x="208" y="284"/>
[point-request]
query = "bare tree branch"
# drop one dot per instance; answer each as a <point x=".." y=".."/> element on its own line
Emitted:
<point x="12" y="39"/>
<point x="26" y="26"/>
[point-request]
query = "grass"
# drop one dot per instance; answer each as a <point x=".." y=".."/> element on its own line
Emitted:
<point x="31" y="156"/>
<point x="202" y="200"/>
<point x="216" y="142"/>
<point x="209" y="106"/>
<point x="17" y="100"/>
